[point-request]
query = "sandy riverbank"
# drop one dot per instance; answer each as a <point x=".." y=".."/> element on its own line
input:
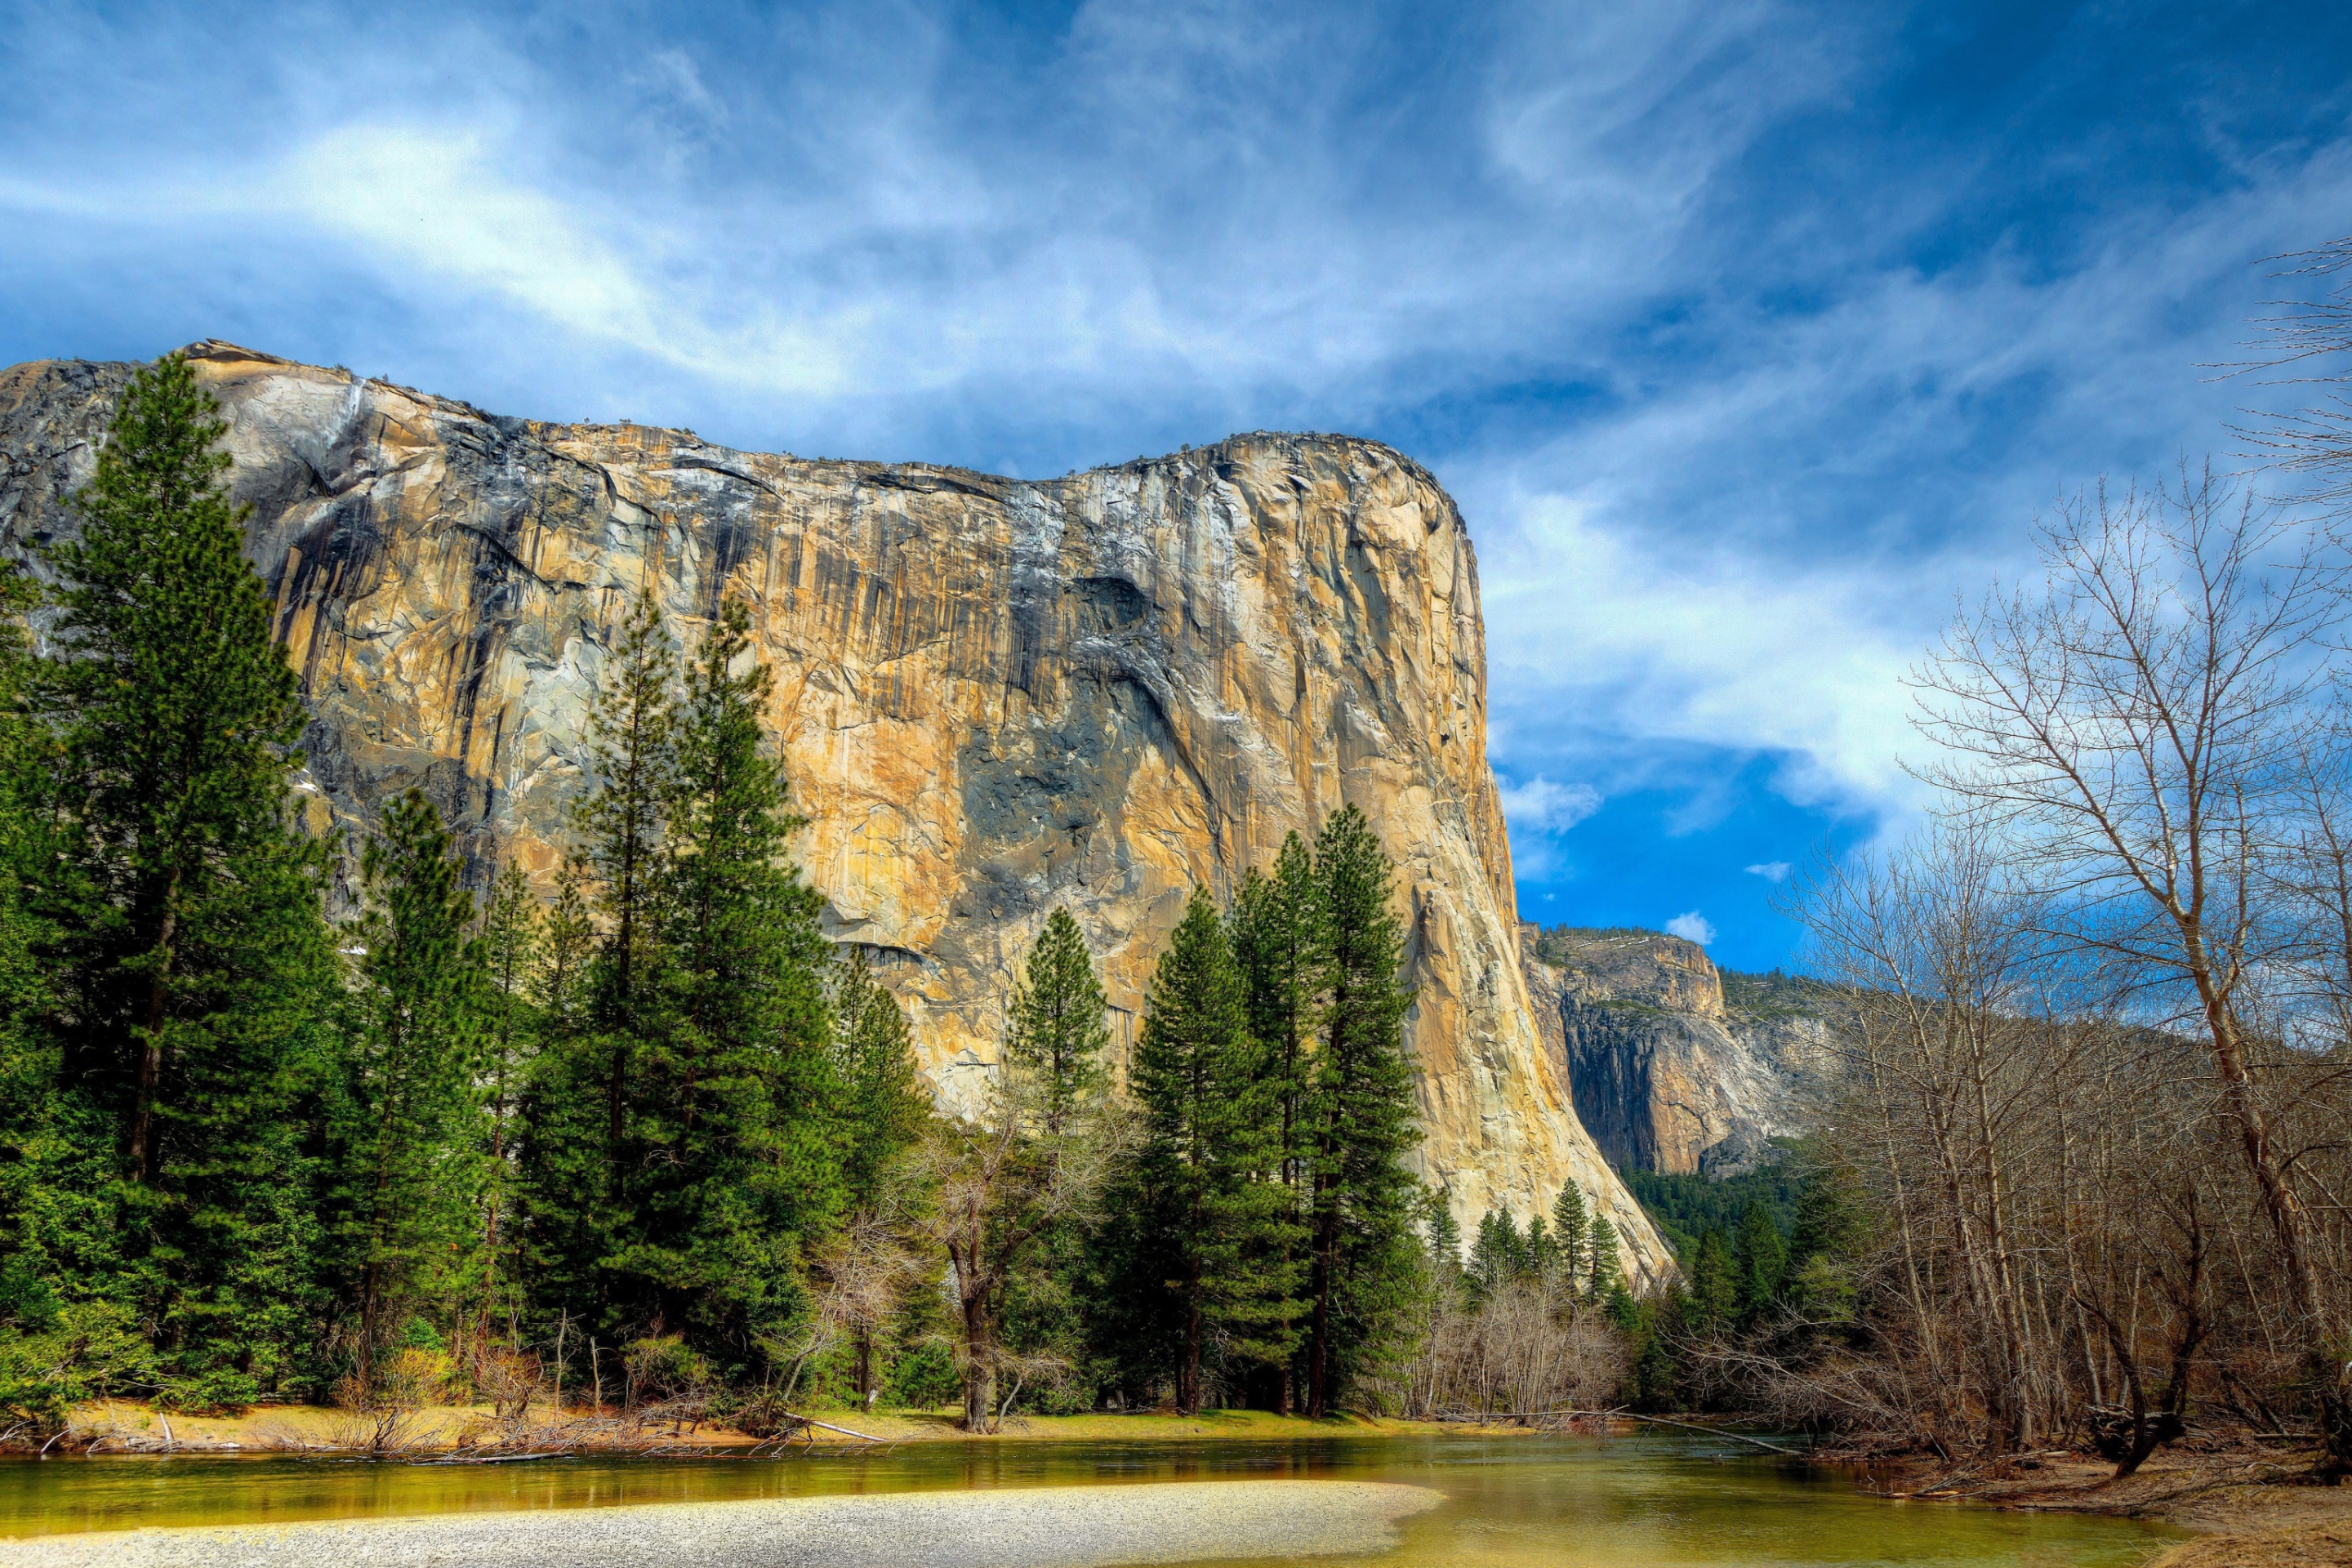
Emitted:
<point x="1043" y="1527"/>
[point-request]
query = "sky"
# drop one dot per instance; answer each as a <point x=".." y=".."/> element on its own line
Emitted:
<point x="1750" y="337"/>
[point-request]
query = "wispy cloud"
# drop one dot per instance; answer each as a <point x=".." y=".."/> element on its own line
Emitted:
<point x="1775" y="871"/>
<point x="1540" y="805"/>
<point x="1742" y="360"/>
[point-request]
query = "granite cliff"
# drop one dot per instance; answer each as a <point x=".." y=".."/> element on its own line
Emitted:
<point x="995" y="696"/>
<point x="1667" y="1073"/>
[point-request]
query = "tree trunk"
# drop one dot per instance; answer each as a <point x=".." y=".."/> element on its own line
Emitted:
<point x="979" y="1389"/>
<point x="145" y="1157"/>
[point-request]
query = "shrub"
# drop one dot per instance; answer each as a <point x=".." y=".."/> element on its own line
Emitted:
<point x="87" y="1350"/>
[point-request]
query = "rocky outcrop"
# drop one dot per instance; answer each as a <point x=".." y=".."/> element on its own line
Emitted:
<point x="1665" y="1075"/>
<point x="995" y="696"/>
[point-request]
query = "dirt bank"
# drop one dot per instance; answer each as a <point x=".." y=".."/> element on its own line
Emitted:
<point x="2253" y="1506"/>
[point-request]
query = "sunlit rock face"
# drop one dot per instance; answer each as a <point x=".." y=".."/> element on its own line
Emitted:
<point x="995" y="696"/>
<point x="1666" y="1076"/>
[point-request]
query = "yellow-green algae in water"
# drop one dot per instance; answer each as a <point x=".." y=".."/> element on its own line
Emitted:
<point x="1554" y="1502"/>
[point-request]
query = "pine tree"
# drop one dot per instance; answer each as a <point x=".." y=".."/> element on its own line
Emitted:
<point x="1491" y="1256"/>
<point x="580" y="1161"/>
<point x="732" y="1117"/>
<point x="1569" y="1225"/>
<point x="511" y="955"/>
<point x="1541" y="1250"/>
<point x="1713" y="1281"/>
<point x="1361" y="1109"/>
<point x="567" y="947"/>
<point x="410" y="1167"/>
<point x="1760" y="1259"/>
<point x="1445" y="1238"/>
<point x="32" y="1172"/>
<point x="1055" y="1032"/>
<point x="1209" y="1142"/>
<point x="1281" y="944"/>
<point x="182" y="713"/>
<point x="619" y="823"/>
<point x="884" y="1108"/>
<point x="883" y="1113"/>
<point x="192" y="937"/>
<point x="1601" y="1256"/>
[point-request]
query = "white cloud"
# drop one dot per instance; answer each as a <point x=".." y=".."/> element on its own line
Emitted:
<point x="1770" y="870"/>
<point x="1540" y="805"/>
<point x="843" y="229"/>
<point x="1691" y="926"/>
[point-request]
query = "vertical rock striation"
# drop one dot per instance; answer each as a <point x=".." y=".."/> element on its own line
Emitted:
<point x="995" y="696"/>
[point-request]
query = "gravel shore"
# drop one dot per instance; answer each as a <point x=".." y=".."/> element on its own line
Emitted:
<point x="1043" y="1527"/>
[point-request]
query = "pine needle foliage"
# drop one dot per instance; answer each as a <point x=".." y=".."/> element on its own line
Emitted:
<point x="191" y="943"/>
<point x="1218" y="1219"/>
<point x="1055" y="1031"/>
<point x="1360" y="1113"/>
<point x="411" y="1175"/>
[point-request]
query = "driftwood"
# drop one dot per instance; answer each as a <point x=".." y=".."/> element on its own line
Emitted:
<point x="1472" y="1416"/>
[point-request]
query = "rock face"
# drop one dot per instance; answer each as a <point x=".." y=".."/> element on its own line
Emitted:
<point x="1665" y="1075"/>
<point x="993" y="696"/>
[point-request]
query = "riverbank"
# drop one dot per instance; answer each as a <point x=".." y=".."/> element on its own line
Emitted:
<point x="2252" y="1507"/>
<point x="118" y="1427"/>
<point x="1044" y="1527"/>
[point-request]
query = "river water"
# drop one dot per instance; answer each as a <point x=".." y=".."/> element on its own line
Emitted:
<point x="1559" y="1502"/>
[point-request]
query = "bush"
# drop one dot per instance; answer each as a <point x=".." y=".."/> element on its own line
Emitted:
<point x="924" y="1378"/>
<point x="219" y="1391"/>
<point x="88" y="1350"/>
<point x="660" y="1370"/>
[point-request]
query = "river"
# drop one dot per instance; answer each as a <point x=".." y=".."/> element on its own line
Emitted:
<point x="1559" y="1502"/>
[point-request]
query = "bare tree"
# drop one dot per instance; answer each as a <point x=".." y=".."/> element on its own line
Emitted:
<point x="1001" y="1183"/>
<point x="2137" y="733"/>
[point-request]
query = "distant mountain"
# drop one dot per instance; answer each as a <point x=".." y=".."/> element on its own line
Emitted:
<point x="1675" y="1066"/>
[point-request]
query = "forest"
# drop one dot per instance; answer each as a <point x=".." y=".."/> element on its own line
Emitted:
<point x="652" y="1140"/>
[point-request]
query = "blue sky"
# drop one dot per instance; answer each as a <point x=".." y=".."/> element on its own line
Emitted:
<point x="1746" y="334"/>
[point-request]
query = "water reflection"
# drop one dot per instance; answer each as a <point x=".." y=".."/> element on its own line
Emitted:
<point x="1558" y="1502"/>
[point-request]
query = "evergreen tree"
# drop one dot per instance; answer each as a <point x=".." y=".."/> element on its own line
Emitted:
<point x="1569" y="1226"/>
<point x="408" y="1166"/>
<point x="199" y="971"/>
<point x="1714" y="1282"/>
<point x="1540" y="1251"/>
<point x="1055" y="1032"/>
<point x="1361" y="1111"/>
<point x="1281" y="944"/>
<point x="1494" y="1257"/>
<point x="579" y="1160"/>
<point x="1760" y="1257"/>
<point x="28" y="856"/>
<point x="1444" y="1239"/>
<point x="567" y="947"/>
<point x="1210" y="1137"/>
<point x="511" y="955"/>
<point x="884" y="1112"/>
<point x="731" y="1117"/>
<point x="1602" y="1265"/>
<point x="619" y="822"/>
<point x="884" y="1108"/>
